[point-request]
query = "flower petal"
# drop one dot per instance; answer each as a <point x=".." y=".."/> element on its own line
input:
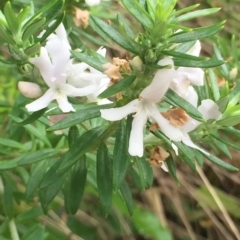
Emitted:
<point x="191" y="96"/>
<point x="194" y="75"/>
<point x="169" y="130"/>
<point x="136" y="136"/>
<point x="92" y="2"/>
<point x="64" y="105"/>
<point x="175" y="148"/>
<point x="41" y="102"/>
<point x="43" y="63"/>
<point x="115" y="114"/>
<point x="160" y="83"/>
<point x="61" y="33"/>
<point x="69" y="90"/>
<point x="187" y="141"/>
<point x="164" y="166"/>
<point x="209" y="109"/>
<point x="195" y="49"/>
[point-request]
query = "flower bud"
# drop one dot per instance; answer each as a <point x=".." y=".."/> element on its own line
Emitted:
<point x="233" y="73"/>
<point x="137" y="63"/>
<point x="29" y="90"/>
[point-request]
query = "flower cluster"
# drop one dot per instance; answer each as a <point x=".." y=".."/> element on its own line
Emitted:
<point x="174" y="124"/>
<point x="62" y="76"/>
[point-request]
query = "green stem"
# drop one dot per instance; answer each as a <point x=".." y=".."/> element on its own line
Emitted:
<point x="13" y="230"/>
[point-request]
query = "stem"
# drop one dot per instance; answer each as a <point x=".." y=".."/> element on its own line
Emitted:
<point x="13" y="230"/>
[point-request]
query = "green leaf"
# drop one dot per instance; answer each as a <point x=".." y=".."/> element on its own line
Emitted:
<point x="197" y="14"/>
<point x="73" y="135"/>
<point x="33" y="213"/>
<point x="118" y="87"/>
<point x="11" y="18"/>
<point x="198" y="33"/>
<point x="77" y="184"/>
<point x="172" y="98"/>
<point x="136" y="179"/>
<point x="90" y="60"/>
<point x="47" y="194"/>
<point x="35" y="232"/>
<point x="214" y="85"/>
<point x="36" y="177"/>
<point x="227" y="142"/>
<point x="229" y="121"/>
<point x="185" y="56"/>
<point x="104" y="178"/>
<point x="30" y="51"/>
<point x="145" y="172"/>
<point x="79" y="116"/>
<point x="198" y="64"/>
<point x="148" y="225"/>
<point x="127" y="196"/>
<point x="120" y="154"/>
<point x="8" y="197"/>
<point x="219" y="162"/>
<point x="138" y="12"/>
<point x="37" y="156"/>
<point x="11" y="143"/>
<point x="83" y="144"/>
<point x="123" y="23"/>
<point x="6" y="36"/>
<point x="22" y="16"/>
<point x="53" y="27"/>
<point x="33" y="28"/>
<point x="114" y="35"/>
<point x="172" y="168"/>
<point x="33" y="117"/>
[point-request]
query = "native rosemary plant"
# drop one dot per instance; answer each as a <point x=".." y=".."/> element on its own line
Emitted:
<point x="84" y="118"/>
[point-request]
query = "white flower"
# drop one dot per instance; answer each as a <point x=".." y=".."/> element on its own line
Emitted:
<point x="92" y="2"/>
<point x="52" y="64"/>
<point x="210" y="110"/>
<point x="145" y="107"/>
<point x="82" y="75"/>
<point x="187" y="75"/>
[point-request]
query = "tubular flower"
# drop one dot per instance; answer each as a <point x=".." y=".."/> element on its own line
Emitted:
<point x="145" y="107"/>
<point x="187" y="75"/>
<point x="52" y="64"/>
<point x="83" y="75"/>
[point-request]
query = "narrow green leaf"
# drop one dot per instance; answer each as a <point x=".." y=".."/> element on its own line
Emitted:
<point x="23" y="15"/>
<point x="227" y="142"/>
<point x="120" y="155"/>
<point x="83" y="144"/>
<point x="138" y="12"/>
<point x="122" y="22"/>
<point x="104" y="178"/>
<point x="214" y="85"/>
<point x="73" y="135"/>
<point x="186" y="9"/>
<point x="33" y="213"/>
<point x="114" y="35"/>
<point x="229" y="121"/>
<point x="47" y="194"/>
<point x="90" y="60"/>
<point x="219" y="162"/>
<point x="6" y="36"/>
<point x="8" y="197"/>
<point x="136" y="179"/>
<point x="11" y="18"/>
<point x="180" y="55"/>
<point x="77" y="184"/>
<point x="197" y="14"/>
<point x="118" y="87"/>
<point x="30" y="51"/>
<point x="11" y="143"/>
<point x="36" y="177"/>
<point x="198" y="64"/>
<point x="145" y="172"/>
<point x="127" y="196"/>
<point x="172" y="168"/>
<point x="79" y="116"/>
<point x="172" y="98"/>
<point x="37" y="156"/>
<point x="33" y="117"/>
<point x="221" y="146"/>
<point x="197" y="33"/>
<point x="9" y="164"/>
<point x="33" y="28"/>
